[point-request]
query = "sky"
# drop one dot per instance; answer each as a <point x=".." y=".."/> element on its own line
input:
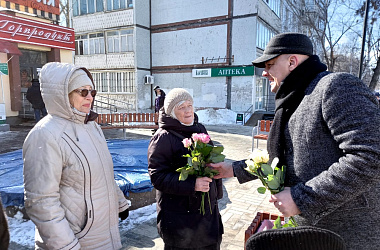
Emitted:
<point x="22" y="231"/>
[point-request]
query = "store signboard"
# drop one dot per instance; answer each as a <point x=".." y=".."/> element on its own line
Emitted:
<point x="3" y="68"/>
<point x="201" y="72"/>
<point x="50" y="6"/>
<point x="231" y="71"/>
<point x="22" y="30"/>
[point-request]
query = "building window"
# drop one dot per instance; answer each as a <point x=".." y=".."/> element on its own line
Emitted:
<point x="262" y="94"/>
<point x="83" y="7"/>
<point x="264" y="34"/>
<point x="114" y="82"/>
<point x="119" y="4"/>
<point x="274" y="5"/>
<point x="120" y="41"/>
<point x="89" y="44"/>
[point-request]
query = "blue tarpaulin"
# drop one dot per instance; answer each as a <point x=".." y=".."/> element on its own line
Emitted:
<point x="130" y="169"/>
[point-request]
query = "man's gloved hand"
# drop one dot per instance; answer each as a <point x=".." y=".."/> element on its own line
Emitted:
<point x="123" y="215"/>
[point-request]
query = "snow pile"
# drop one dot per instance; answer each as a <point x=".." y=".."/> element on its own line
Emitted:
<point x="22" y="231"/>
<point x="138" y="216"/>
<point x="212" y="116"/>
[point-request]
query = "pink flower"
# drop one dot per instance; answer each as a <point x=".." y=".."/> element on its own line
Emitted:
<point x="201" y="138"/>
<point x="187" y="142"/>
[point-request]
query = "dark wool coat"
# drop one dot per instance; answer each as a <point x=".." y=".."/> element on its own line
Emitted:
<point x="332" y="154"/>
<point x="34" y="95"/>
<point x="179" y="221"/>
<point x="159" y="101"/>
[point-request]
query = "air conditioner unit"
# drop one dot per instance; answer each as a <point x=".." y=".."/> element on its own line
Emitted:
<point x="148" y="79"/>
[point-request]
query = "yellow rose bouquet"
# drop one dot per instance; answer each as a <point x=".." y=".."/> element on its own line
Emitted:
<point x="271" y="176"/>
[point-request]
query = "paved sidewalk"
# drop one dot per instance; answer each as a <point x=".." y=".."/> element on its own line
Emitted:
<point x="239" y="205"/>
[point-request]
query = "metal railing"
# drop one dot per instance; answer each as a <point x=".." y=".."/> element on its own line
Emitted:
<point x="104" y="104"/>
<point x="248" y="111"/>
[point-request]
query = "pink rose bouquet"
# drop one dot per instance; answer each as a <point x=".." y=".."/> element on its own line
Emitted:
<point x="201" y="153"/>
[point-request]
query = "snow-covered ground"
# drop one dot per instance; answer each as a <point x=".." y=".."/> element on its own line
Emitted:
<point x="22" y="231"/>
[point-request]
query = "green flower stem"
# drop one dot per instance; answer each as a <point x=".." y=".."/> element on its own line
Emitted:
<point x="293" y="221"/>
<point x="202" y="208"/>
<point x="209" y="203"/>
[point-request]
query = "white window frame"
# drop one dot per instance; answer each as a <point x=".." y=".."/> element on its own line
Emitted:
<point x="263" y="35"/>
<point x="92" y="43"/>
<point x="96" y="4"/>
<point x="120" y="41"/>
<point x="118" y="4"/>
<point x="274" y="5"/>
<point x="114" y="82"/>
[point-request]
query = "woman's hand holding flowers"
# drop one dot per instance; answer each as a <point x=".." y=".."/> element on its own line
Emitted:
<point x="200" y="155"/>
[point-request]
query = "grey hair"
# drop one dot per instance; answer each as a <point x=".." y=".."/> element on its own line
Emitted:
<point x="172" y="114"/>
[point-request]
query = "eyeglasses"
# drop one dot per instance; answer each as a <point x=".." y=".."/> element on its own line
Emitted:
<point x="84" y="92"/>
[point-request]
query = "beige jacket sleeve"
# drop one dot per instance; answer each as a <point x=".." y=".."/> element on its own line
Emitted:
<point x="124" y="204"/>
<point x="42" y="174"/>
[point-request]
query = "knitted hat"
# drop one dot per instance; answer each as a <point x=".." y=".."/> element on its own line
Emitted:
<point x="79" y="79"/>
<point x="174" y="97"/>
<point x="300" y="238"/>
<point x="156" y="87"/>
<point x="285" y="43"/>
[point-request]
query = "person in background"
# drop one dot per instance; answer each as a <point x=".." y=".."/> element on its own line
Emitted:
<point x="179" y="221"/>
<point x="4" y="231"/>
<point x="33" y="95"/>
<point x="326" y="132"/>
<point x="377" y="94"/>
<point x="160" y="98"/>
<point x="70" y="192"/>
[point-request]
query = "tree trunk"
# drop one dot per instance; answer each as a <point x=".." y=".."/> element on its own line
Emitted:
<point x="375" y="76"/>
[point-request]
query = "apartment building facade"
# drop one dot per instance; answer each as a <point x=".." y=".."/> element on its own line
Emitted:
<point x="205" y="47"/>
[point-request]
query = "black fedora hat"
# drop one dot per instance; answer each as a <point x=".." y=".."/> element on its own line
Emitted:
<point x="285" y="43"/>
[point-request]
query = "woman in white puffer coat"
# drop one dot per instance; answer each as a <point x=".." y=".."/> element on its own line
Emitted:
<point x="70" y="191"/>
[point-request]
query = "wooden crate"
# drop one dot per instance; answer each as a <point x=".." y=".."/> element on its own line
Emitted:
<point x="256" y="222"/>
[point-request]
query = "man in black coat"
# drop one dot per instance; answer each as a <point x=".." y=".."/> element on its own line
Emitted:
<point x="34" y="97"/>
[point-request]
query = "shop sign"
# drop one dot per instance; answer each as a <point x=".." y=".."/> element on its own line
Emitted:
<point x="4" y="68"/>
<point x="233" y="71"/>
<point x="201" y="72"/>
<point x="50" y="6"/>
<point x="22" y="30"/>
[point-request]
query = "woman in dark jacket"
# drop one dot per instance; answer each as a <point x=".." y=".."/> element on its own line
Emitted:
<point x="179" y="221"/>
<point x="160" y="98"/>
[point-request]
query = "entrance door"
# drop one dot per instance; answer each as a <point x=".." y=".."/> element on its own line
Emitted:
<point x="30" y="61"/>
<point x="30" y="64"/>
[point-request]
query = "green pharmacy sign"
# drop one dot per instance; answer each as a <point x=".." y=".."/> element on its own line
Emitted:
<point x="233" y="71"/>
<point x="4" y="68"/>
